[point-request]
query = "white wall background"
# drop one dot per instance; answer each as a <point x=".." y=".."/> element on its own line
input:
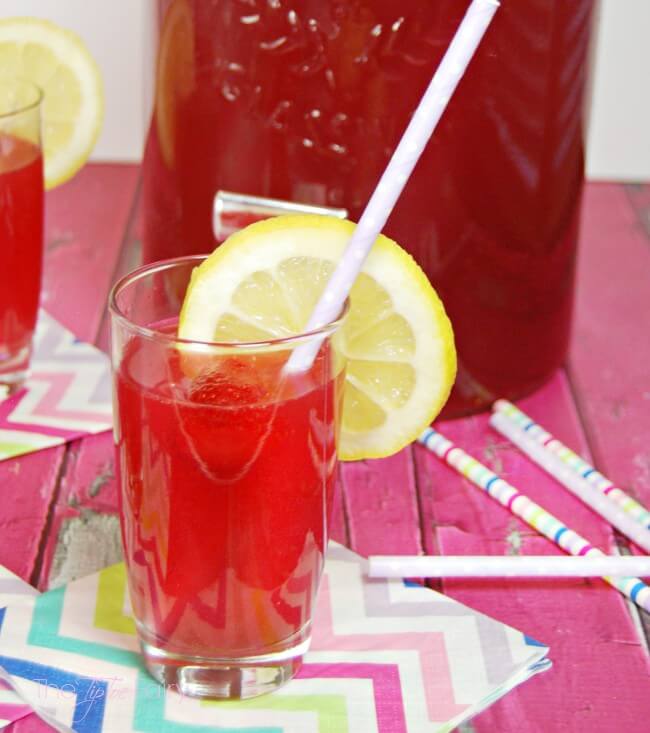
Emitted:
<point x="618" y="143"/>
<point x="114" y="31"/>
<point x="618" y="139"/>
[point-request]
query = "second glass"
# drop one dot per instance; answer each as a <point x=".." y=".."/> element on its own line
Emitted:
<point x="226" y="468"/>
<point x="21" y="225"/>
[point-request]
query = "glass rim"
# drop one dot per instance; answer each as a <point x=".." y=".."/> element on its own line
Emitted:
<point x="24" y="107"/>
<point x="150" y="333"/>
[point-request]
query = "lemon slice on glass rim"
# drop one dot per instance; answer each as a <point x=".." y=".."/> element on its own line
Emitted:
<point x="263" y="283"/>
<point x="57" y="61"/>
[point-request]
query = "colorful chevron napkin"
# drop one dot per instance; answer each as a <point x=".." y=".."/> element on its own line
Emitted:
<point x="12" y="590"/>
<point x="67" y="395"/>
<point x="386" y="657"/>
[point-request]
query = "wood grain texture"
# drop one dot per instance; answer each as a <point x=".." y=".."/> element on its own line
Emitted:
<point x="381" y="505"/>
<point x="338" y="528"/>
<point x="26" y="488"/>
<point x="87" y="493"/>
<point x="85" y="224"/>
<point x="639" y="196"/>
<point x="609" y="363"/>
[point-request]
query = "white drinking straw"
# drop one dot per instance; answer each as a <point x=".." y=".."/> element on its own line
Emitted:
<point x="394" y="178"/>
<point x="577" y="464"/>
<point x="510" y="566"/>
<point x="573" y="481"/>
<point x="531" y="513"/>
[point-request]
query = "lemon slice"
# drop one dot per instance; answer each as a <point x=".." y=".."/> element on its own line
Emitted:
<point x="58" y="62"/>
<point x="263" y="283"/>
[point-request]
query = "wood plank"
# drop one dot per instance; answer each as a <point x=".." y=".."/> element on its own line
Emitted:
<point x="338" y="528"/>
<point x="381" y="504"/>
<point x="84" y="532"/>
<point x="609" y="362"/>
<point x="638" y="195"/>
<point x="84" y="225"/>
<point x="585" y="622"/>
<point x="86" y="219"/>
<point x="130" y="257"/>
<point x="26" y="487"/>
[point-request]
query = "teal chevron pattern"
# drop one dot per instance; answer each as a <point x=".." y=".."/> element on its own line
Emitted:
<point x="386" y="657"/>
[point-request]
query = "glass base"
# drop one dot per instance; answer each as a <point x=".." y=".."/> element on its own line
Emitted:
<point x="223" y="679"/>
<point x="12" y="382"/>
<point x="14" y="370"/>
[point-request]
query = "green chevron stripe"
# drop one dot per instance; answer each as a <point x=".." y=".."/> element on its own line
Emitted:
<point x="44" y="632"/>
<point x="11" y="450"/>
<point x="332" y="710"/>
<point x="111" y="591"/>
<point x="149" y="716"/>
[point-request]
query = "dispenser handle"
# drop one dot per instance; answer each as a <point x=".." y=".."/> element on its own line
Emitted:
<point x="233" y="211"/>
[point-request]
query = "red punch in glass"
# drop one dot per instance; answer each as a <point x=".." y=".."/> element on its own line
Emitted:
<point x="21" y="225"/>
<point x="226" y="467"/>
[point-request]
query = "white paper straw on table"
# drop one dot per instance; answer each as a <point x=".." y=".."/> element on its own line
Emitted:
<point x="613" y="493"/>
<point x="394" y="178"/>
<point x="513" y="566"/>
<point x="572" y="479"/>
<point x="533" y="514"/>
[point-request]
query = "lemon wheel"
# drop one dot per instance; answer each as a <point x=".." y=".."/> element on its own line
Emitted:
<point x="57" y="61"/>
<point x="263" y="283"/>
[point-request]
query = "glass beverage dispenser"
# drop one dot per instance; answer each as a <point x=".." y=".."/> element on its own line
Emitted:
<point x="305" y="100"/>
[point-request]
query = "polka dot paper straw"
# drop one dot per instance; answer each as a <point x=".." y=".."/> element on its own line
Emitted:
<point x="503" y="566"/>
<point x="533" y="514"/>
<point x="573" y="461"/>
<point x="423" y="122"/>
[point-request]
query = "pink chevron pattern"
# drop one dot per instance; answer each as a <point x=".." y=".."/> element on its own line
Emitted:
<point x="59" y="386"/>
<point x="12" y="708"/>
<point x="66" y="397"/>
<point x="387" y="689"/>
<point x="8" y="409"/>
<point x="430" y="647"/>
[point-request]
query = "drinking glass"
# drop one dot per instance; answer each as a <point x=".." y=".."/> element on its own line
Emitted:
<point x="226" y="468"/>
<point x="21" y="226"/>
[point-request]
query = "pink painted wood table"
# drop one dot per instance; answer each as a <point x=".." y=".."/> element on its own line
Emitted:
<point x="58" y="520"/>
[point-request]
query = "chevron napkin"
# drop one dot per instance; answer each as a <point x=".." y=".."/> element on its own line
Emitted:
<point x="386" y="657"/>
<point x="15" y="591"/>
<point x="66" y="396"/>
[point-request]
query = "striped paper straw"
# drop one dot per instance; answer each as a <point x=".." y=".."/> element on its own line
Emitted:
<point x="571" y="480"/>
<point x="513" y="566"/>
<point x="586" y="471"/>
<point x="533" y="514"/>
